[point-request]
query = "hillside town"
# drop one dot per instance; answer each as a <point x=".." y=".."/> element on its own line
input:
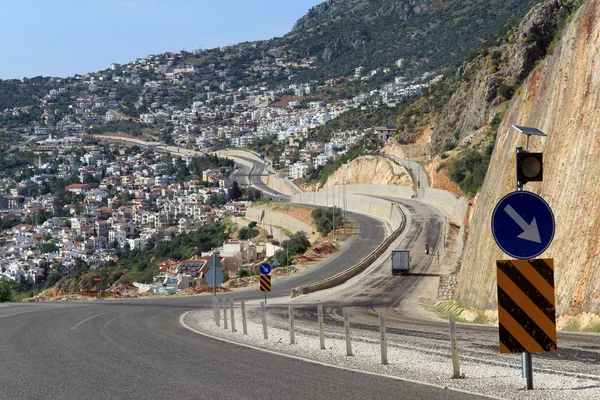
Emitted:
<point x="80" y="202"/>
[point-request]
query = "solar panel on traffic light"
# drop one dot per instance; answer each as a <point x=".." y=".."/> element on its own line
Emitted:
<point x="530" y="167"/>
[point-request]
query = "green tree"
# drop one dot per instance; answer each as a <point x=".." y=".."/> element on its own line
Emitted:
<point x="327" y="218"/>
<point x="5" y="291"/>
<point x="48" y="248"/>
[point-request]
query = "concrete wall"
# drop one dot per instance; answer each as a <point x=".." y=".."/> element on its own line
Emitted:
<point x="360" y="203"/>
<point x="452" y="204"/>
<point x="278" y="219"/>
<point x="278" y="184"/>
<point x="290" y="223"/>
<point x="455" y="207"/>
<point x="254" y="214"/>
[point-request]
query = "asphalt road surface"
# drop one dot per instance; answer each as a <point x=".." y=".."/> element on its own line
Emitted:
<point x="137" y="349"/>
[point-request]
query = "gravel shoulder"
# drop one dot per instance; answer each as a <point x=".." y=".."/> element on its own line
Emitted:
<point x="410" y="357"/>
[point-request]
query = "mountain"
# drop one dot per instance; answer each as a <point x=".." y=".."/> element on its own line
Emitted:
<point x="427" y="35"/>
<point x="560" y="97"/>
<point x="456" y="121"/>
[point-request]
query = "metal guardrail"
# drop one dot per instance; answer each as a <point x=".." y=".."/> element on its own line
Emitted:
<point x="355" y="269"/>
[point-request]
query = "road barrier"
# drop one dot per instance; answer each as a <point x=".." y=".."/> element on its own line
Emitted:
<point x="321" y="327"/>
<point x="356" y="269"/>
<point x="232" y="316"/>
<point x="244" y="322"/>
<point x="292" y="331"/>
<point x="454" y="345"/>
<point x="224" y="313"/>
<point x="347" y="330"/>
<point x="216" y="311"/>
<point x="264" y="320"/>
<point x="382" y="333"/>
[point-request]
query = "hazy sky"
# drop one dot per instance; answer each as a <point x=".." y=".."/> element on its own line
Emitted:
<point x="65" y="37"/>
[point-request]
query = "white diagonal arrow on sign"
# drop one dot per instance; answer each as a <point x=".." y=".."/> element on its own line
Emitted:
<point x="530" y="231"/>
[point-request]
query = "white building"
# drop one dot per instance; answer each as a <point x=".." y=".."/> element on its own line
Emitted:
<point x="298" y="170"/>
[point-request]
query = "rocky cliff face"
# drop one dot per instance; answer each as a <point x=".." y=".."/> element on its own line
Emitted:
<point x="561" y="97"/>
<point x="370" y="170"/>
<point x="501" y="68"/>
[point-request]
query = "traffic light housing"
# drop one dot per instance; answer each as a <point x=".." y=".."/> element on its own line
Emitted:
<point x="530" y="167"/>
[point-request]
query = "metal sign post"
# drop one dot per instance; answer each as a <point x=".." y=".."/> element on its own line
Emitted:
<point x="523" y="227"/>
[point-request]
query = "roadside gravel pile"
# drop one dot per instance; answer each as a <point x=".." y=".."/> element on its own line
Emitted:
<point x="410" y="357"/>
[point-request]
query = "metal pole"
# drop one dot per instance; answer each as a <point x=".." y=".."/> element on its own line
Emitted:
<point x="264" y="320"/>
<point x="225" y="313"/>
<point x="244" y="323"/>
<point x="347" y="329"/>
<point x="384" y="357"/>
<point x="526" y="367"/>
<point x="529" y="368"/>
<point x="232" y="316"/>
<point x="265" y="297"/>
<point x="292" y="333"/>
<point x="321" y="327"/>
<point x="454" y="345"/>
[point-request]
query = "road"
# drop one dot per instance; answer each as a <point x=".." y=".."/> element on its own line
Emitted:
<point x="137" y="349"/>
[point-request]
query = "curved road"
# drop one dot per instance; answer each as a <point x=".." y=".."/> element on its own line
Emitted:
<point x="138" y="349"/>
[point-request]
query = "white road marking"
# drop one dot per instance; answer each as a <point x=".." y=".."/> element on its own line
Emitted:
<point x="87" y="319"/>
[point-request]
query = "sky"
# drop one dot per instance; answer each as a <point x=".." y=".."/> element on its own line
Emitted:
<point x="67" y="37"/>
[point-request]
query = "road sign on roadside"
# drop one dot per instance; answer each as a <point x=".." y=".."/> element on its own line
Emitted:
<point x="523" y="225"/>
<point x="265" y="269"/>
<point x="526" y="306"/>
<point x="276" y="263"/>
<point x="214" y="276"/>
<point x="97" y="279"/>
<point x="265" y="283"/>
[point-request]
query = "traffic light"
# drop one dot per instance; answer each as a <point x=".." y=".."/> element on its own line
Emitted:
<point x="530" y="167"/>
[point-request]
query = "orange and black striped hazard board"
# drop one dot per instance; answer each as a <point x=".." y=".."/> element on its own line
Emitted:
<point x="265" y="283"/>
<point x="526" y="306"/>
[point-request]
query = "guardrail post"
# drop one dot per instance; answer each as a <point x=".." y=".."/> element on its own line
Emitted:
<point x="225" y="313"/>
<point x="292" y="333"/>
<point x="321" y="327"/>
<point x="384" y="357"/>
<point x="454" y="344"/>
<point x="264" y="320"/>
<point x="244" y="323"/>
<point x="232" y="316"/>
<point x="347" y="329"/>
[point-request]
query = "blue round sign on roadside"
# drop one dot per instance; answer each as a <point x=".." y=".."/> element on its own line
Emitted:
<point x="265" y="269"/>
<point x="523" y="225"/>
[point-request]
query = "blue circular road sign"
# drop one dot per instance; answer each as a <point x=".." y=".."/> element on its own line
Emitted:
<point x="265" y="269"/>
<point x="523" y="225"/>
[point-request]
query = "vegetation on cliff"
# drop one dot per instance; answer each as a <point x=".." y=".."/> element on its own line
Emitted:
<point x="465" y="109"/>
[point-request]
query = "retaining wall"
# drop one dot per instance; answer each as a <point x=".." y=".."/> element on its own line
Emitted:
<point x="278" y="219"/>
<point x="455" y="206"/>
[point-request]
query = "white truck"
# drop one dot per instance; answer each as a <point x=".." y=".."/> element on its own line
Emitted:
<point x="400" y="262"/>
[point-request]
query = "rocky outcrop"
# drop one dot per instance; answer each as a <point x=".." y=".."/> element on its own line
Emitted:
<point x="560" y="97"/>
<point x="370" y="170"/>
<point x="491" y="78"/>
